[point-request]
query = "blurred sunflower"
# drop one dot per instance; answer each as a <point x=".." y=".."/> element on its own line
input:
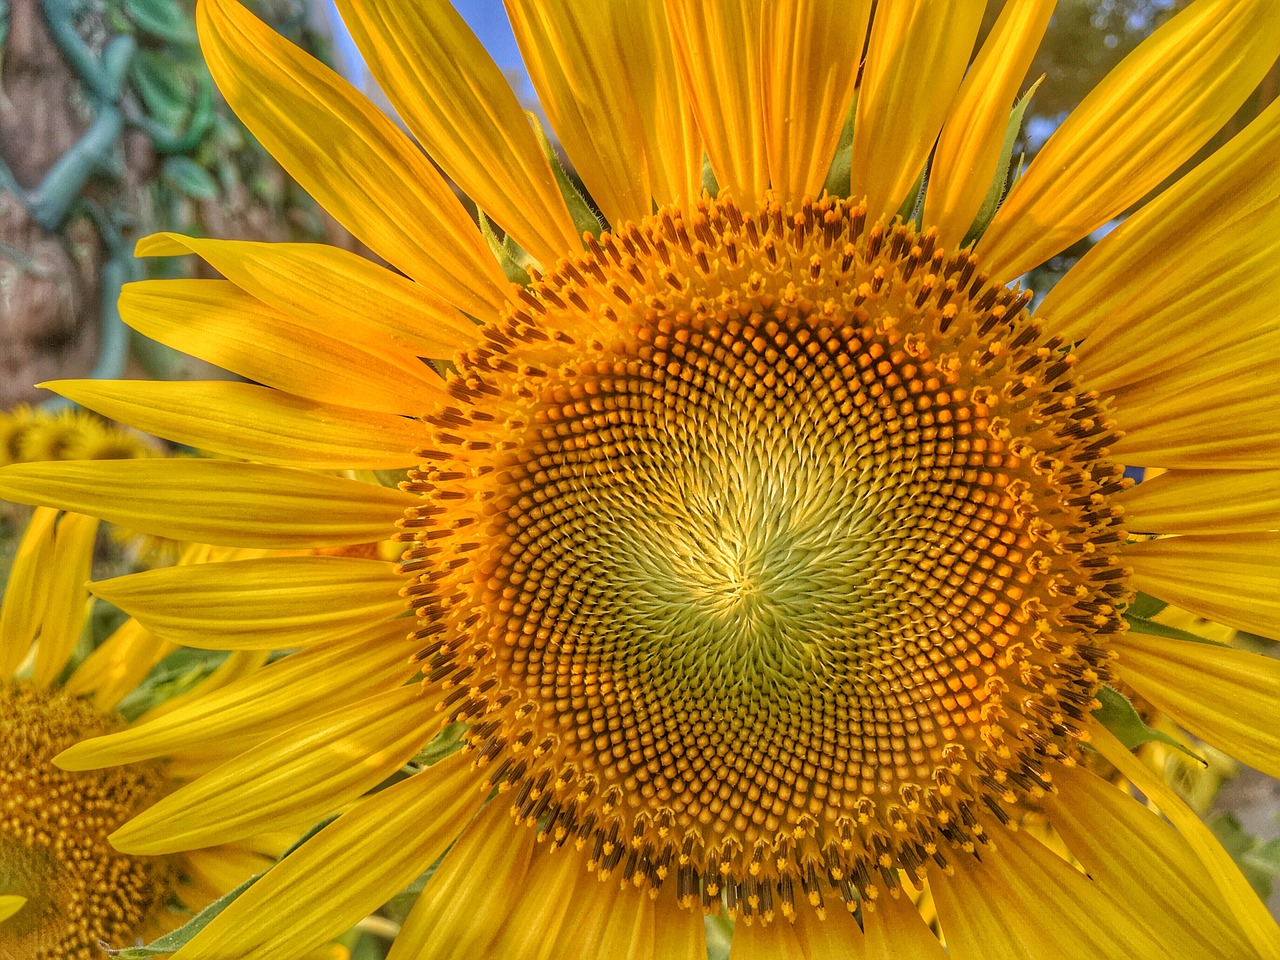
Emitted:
<point x="773" y="554"/>
<point x="63" y="889"/>
<point x="28" y="434"/>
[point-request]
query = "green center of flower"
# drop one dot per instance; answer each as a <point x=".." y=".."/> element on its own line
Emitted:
<point x="54" y="826"/>
<point x="767" y="553"/>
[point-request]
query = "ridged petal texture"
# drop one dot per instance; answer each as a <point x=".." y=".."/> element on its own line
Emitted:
<point x="770" y="552"/>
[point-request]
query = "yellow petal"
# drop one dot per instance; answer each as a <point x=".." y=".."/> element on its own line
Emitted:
<point x="260" y="705"/>
<point x="1228" y="697"/>
<point x="757" y="941"/>
<point x="1204" y="501"/>
<point x="672" y="144"/>
<point x="214" y="871"/>
<point x="118" y="665"/>
<point x="210" y="501"/>
<point x="717" y="45"/>
<point x="27" y="590"/>
<point x="995" y="907"/>
<point x="345" y="871"/>
<point x="10" y="904"/>
<point x="1184" y="262"/>
<point x="1136" y="856"/>
<point x="267" y="604"/>
<point x="217" y="321"/>
<point x="628" y="934"/>
<point x="915" y="61"/>
<point x="1251" y="913"/>
<point x="339" y="289"/>
<point x="534" y="921"/>
<point x="833" y="937"/>
<point x="297" y="777"/>
<point x="458" y="104"/>
<point x="68" y="598"/>
<point x="254" y="423"/>
<point x="349" y="156"/>
<point x="1161" y="104"/>
<point x="468" y="899"/>
<point x="1234" y="579"/>
<point x="237" y="665"/>
<point x="1203" y="316"/>
<point x="678" y="933"/>
<point x="589" y="907"/>
<point x="1221" y="412"/>
<point x="574" y="55"/>
<point x="810" y="52"/>
<point x="968" y="152"/>
<point x="895" y="930"/>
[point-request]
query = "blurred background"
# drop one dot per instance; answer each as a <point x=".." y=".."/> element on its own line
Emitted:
<point x="111" y="129"/>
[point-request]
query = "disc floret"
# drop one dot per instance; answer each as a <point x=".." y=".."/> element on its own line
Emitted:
<point x="54" y="825"/>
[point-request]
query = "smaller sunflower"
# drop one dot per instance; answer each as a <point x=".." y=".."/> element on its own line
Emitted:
<point x="64" y="890"/>
<point x="30" y="434"/>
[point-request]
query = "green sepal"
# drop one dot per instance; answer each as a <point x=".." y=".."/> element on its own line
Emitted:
<point x="389" y="478"/>
<point x="996" y="192"/>
<point x="840" y="173"/>
<point x="710" y="185"/>
<point x="719" y="930"/>
<point x="175" y="940"/>
<point x="1153" y="629"/>
<point x="1146" y="606"/>
<point x="1118" y="715"/>
<point x="508" y="253"/>
<point x="584" y="218"/>
<point x="1259" y="861"/>
<point x="911" y="207"/>
<point x="448" y="741"/>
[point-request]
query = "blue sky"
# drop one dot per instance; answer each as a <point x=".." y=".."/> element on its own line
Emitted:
<point x="486" y="17"/>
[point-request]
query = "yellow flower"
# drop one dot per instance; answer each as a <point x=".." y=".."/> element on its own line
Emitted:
<point x="28" y="434"/>
<point x="771" y="551"/>
<point x="63" y="888"/>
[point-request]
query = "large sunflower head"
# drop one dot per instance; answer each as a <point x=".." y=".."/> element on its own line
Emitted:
<point x="770" y="554"/>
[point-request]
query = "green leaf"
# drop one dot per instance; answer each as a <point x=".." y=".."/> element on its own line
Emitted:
<point x="1258" y="861"/>
<point x="584" y="218"/>
<point x="188" y="177"/>
<point x="159" y="84"/>
<point x="175" y="675"/>
<point x="996" y="192"/>
<point x="162" y="19"/>
<point x="1153" y="629"/>
<point x="1146" y="606"/>
<point x="1118" y="715"/>
<point x="177" y="939"/>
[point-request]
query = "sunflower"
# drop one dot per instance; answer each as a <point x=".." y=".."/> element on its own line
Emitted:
<point x="28" y="434"/>
<point x="63" y="889"/>
<point x="771" y="553"/>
